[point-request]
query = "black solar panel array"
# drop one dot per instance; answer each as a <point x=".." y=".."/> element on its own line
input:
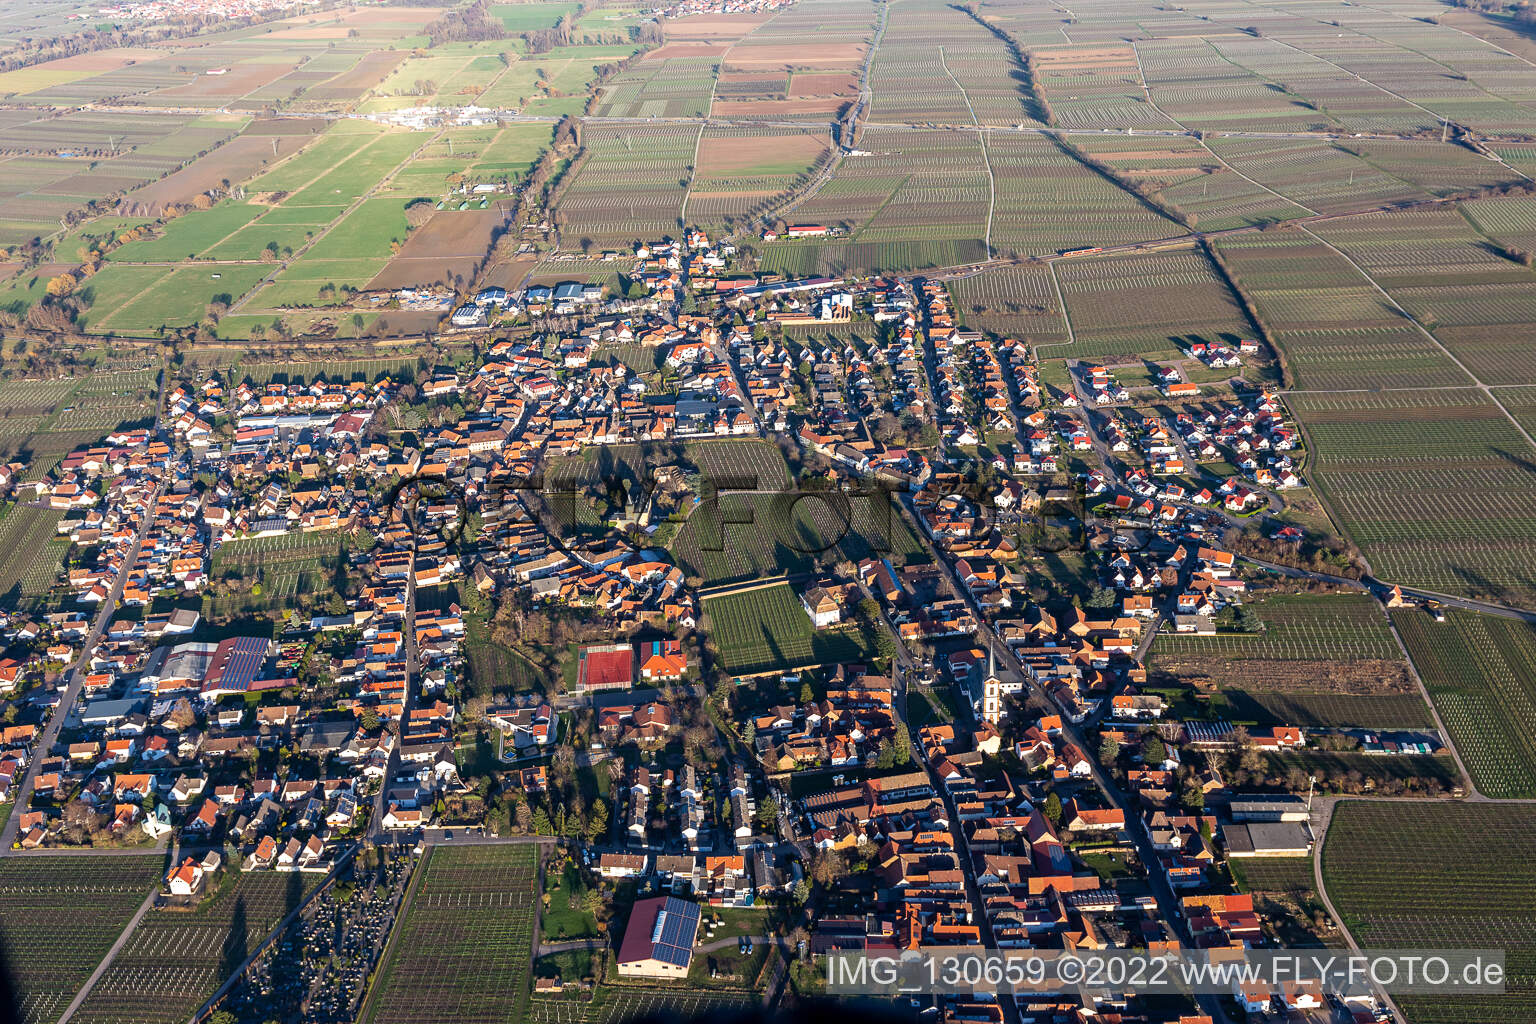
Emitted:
<point x="676" y="925"/>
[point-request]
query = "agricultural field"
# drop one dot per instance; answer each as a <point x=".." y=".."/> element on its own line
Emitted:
<point x="57" y="165"/>
<point x="1387" y="869"/>
<point x="1186" y="177"/>
<point x="1334" y="329"/>
<point x="1434" y="487"/>
<point x="618" y="1004"/>
<point x="938" y="64"/>
<point x="742" y="173"/>
<point x="630" y="183"/>
<point x="1474" y="299"/>
<point x="745" y="536"/>
<point x="454" y="75"/>
<point x="765" y="629"/>
<point x="462" y="948"/>
<point x="270" y="572"/>
<point x="497" y="672"/>
<point x="25" y="405"/>
<point x="1481" y="673"/>
<point x="917" y="199"/>
<point x="175" y="959"/>
<point x="1152" y="305"/>
<point x="666" y="87"/>
<point x="1284" y="894"/>
<point x="30" y="558"/>
<point x="66" y="912"/>
<point x="1318" y="660"/>
<point x="553" y="83"/>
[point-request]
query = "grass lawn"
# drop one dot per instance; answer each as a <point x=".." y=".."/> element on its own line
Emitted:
<point x="531" y="17"/>
<point x="181" y="297"/>
<point x="734" y="922"/>
<point x="571" y="965"/>
<point x="368" y="229"/>
<point x="189" y="235"/>
<point x="561" y="920"/>
<point x="1108" y="866"/>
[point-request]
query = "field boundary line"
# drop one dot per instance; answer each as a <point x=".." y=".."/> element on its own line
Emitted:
<point x="1434" y="713"/>
<point x="1428" y="334"/>
<point x="111" y="954"/>
<point x="365" y="1009"/>
<point x="1359" y="77"/>
<point x="1146" y="91"/>
<point x="1066" y="317"/>
<point x="986" y="158"/>
<point x="356" y="205"/>
<point x="271" y="936"/>
<point x="1319" y="842"/>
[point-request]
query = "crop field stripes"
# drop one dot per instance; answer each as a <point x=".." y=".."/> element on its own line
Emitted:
<point x="693" y="166"/>
<point x="1061" y="304"/>
<point x="1421" y="874"/>
<point x="1362" y="78"/>
<point x="981" y="137"/>
<point x="1487" y="391"/>
<point x="1141" y="77"/>
<point x="463" y="944"/>
<point x="74" y="909"/>
<point x="315" y="239"/>
<point x="1477" y="670"/>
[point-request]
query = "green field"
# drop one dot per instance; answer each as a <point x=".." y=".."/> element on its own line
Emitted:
<point x="1481" y="673"/>
<point x="73" y="909"/>
<point x="461" y="950"/>
<point x="766" y="629"/>
<point x="1440" y="876"/>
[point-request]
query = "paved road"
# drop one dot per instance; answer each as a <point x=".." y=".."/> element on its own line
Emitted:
<point x="81" y="666"/>
<point x="1167" y="901"/>
<point x="392" y="767"/>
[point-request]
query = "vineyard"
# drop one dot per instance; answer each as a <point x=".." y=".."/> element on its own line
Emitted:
<point x="64" y="914"/>
<point x="675" y="87"/>
<point x="630" y="184"/>
<point x="617" y="1004"/>
<point x="1318" y="660"/>
<point x="175" y="959"/>
<point x="1016" y="301"/>
<point x="766" y="629"/>
<point x="1151" y="304"/>
<point x="748" y="536"/>
<point x="1430" y="875"/>
<point x="936" y="63"/>
<point x="1335" y="330"/>
<point x="496" y="670"/>
<point x="1434" y="486"/>
<point x="283" y="565"/>
<point x="1481" y="674"/>
<point x="462" y="949"/>
<point x="30" y="556"/>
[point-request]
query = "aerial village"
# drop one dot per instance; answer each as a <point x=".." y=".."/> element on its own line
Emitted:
<point x="302" y="616"/>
